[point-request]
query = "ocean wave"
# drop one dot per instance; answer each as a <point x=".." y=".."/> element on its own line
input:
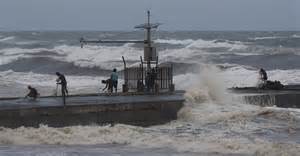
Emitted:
<point x="109" y="57"/>
<point x="29" y="42"/>
<point x="15" y="51"/>
<point x="104" y="57"/>
<point x="232" y="45"/>
<point x="174" y="41"/>
<point x="101" y="56"/>
<point x="7" y="39"/>
<point x="10" y="55"/>
<point x="295" y="36"/>
<point x="267" y="38"/>
<point x="189" y="43"/>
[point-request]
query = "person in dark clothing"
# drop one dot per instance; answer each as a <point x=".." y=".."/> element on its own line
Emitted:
<point x="147" y="81"/>
<point x="263" y="75"/>
<point x="63" y="82"/>
<point x="152" y="79"/>
<point x="108" y="84"/>
<point x="32" y="93"/>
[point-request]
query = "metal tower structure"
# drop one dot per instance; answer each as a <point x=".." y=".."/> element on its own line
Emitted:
<point x="150" y="55"/>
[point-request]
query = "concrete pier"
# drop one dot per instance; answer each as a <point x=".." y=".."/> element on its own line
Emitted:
<point x="143" y="110"/>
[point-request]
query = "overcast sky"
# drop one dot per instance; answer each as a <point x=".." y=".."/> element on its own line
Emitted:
<point x="174" y="14"/>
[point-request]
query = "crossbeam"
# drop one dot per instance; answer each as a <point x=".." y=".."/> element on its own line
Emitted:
<point x="83" y="41"/>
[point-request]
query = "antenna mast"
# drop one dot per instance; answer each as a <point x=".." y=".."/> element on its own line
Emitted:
<point x="149" y="51"/>
<point x="150" y="55"/>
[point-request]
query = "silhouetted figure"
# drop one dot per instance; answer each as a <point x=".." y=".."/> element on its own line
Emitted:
<point x="114" y="79"/>
<point x="140" y="86"/>
<point x="263" y="75"/>
<point x="32" y="93"/>
<point x="153" y="76"/>
<point x="63" y="82"/>
<point x="150" y="80"/>
<point x="108" y="84"/>
<point x="147" y="81"/>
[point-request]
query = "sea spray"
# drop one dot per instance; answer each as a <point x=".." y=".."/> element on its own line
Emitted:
<point x="206" y="95"/>
<point x="207" y="86"/>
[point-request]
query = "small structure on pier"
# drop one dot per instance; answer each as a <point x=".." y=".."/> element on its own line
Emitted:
<point x="149" y="75"/>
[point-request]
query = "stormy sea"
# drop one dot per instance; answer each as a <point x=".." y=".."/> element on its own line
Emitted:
<point x="213" y="121"/>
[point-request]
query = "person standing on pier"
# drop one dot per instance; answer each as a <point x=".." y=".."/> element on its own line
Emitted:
<point x="114" y="79"/>
<point x="63" y="82"/>
<point x="263" y="75"/>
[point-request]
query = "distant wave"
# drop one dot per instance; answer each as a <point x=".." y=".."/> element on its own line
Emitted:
<point x="174" y="41"/>
<point x="12" y="54"/>
<point x="295" y="36"/>
<point x="28" y="42"/>
<point x="108" y="57"/>
<point x="266" y="38"/>
<point x="275" y="37"/>
<point x="189" y="43"/>
<point x="9" y="38"/>
<point x="193" y="51"/>
<point x="14" y="42"/>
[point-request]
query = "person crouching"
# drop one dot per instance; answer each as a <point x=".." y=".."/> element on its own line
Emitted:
<point x="108" y="85"/>
<point x="33" y="94"/>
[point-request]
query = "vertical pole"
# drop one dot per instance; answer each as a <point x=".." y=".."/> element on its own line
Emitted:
<point x="64" y="99"/>
<point x="63" y="93"/>
<point x="142" y="69"/>
<point x="148" y="27"/>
